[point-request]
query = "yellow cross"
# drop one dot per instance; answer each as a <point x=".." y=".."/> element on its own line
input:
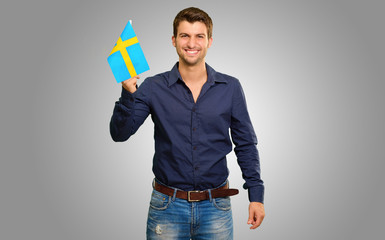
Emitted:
<point x="121" y="46"/>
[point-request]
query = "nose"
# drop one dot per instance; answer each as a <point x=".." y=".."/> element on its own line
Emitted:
<point x="191" y="42"/>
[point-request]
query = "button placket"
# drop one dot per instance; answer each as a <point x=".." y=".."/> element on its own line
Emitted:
<point x="194" y="143"/>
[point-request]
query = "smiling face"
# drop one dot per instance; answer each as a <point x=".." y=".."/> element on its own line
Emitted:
<point x="191" y="42"/>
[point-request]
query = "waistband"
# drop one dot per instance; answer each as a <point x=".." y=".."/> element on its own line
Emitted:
<point x="196" y="195"/>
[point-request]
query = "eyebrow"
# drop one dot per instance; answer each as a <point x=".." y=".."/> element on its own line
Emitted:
<point x="182" y="33"/>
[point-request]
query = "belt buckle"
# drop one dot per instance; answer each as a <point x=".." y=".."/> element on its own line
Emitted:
<point x="188" y="196"/>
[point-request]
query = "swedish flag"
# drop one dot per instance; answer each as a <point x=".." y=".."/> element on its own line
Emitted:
<point x="126" y="58"/>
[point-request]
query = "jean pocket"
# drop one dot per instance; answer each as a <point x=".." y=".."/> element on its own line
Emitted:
<point x="223" y="204"/>
<point x="159" y="201"/>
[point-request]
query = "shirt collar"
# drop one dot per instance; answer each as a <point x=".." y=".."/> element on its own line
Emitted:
<point x="212" y="75"/>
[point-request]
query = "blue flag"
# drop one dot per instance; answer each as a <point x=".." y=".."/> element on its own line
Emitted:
<point x="126" y="58"/>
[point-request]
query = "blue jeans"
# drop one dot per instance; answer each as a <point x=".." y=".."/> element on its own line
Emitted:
<point x="173" y="218"/>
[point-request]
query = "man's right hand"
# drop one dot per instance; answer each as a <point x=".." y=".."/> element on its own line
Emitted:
<point x="130" y="84"/>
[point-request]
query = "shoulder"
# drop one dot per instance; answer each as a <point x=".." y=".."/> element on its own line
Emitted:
<point x="227" y="77"/>
<point x="231" y="81"/>
<point x="222" y="77"/>
<point x="160" y="78"/>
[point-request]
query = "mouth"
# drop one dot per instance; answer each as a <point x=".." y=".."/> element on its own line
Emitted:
<point x="191" y="52"/>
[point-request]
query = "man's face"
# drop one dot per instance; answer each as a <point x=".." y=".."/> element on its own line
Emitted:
<point x="191" y="42"/>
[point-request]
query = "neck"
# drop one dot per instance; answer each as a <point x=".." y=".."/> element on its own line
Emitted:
<point x="195" y="73"/>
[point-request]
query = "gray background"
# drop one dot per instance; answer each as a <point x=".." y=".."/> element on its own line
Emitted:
<point x="313" y="74"/>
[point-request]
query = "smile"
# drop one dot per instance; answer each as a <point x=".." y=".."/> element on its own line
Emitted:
<point x="192" y="52"/>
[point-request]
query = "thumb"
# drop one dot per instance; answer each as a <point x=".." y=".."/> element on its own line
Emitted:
<point x="251" y="219"/>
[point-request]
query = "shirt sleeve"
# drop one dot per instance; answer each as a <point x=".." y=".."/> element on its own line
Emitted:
<point x="245" y="141"/>
<point x="130" y="112"/>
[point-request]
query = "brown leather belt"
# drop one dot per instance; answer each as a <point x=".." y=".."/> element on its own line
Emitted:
<point x="195" y="196"/>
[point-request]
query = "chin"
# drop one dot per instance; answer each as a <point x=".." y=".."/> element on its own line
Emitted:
<point x="192" y="62"/>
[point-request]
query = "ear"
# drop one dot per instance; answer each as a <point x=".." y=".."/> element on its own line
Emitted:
<point x="210" y="42"/>
<point x="173" y="40"/>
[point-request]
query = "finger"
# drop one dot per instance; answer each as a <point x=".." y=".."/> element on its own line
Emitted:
<point x="131" y="79"/>
<point x="252" y="222"/>
<point x="258" y="222"/>
<point x="251" y="218"/>
<point x="255" y="224"/>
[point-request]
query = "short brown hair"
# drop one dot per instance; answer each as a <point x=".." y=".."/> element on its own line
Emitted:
<point x="192" y="15"/>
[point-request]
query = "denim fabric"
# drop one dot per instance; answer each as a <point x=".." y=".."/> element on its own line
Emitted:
<point x="174" y="218"/>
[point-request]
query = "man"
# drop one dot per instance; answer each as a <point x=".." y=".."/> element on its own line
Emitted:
<point x="192" y="107"/>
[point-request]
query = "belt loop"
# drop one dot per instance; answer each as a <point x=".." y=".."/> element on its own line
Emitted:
<point x="211" y="199"/>
<point x="174" y="195"/>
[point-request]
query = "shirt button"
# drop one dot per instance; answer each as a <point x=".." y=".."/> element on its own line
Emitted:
<point x="193" y="109"/>
<point x="196" y="168"/>
<point x="194" y="129"/>
<point x="195" y="148"/>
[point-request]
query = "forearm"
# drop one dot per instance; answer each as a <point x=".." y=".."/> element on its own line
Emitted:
<point x="122" y="120"/>
<point x="248" y="160"/>
<point x="130" y="112"/>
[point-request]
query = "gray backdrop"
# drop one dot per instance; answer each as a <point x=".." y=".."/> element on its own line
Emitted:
<point x="313" y="74"/>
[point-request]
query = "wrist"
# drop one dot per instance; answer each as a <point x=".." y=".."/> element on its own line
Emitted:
<point x="130" y="89"/>
<point x="256" y="203"/>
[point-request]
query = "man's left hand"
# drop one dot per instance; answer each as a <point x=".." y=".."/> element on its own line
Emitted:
<point x="256" y="214"/>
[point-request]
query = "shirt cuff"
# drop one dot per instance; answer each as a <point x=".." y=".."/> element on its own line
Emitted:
<point x="127" y="98"/>
<point x="256" y="194"/>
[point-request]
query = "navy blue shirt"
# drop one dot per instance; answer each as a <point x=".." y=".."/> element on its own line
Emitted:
<point x="193" y="139"/>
